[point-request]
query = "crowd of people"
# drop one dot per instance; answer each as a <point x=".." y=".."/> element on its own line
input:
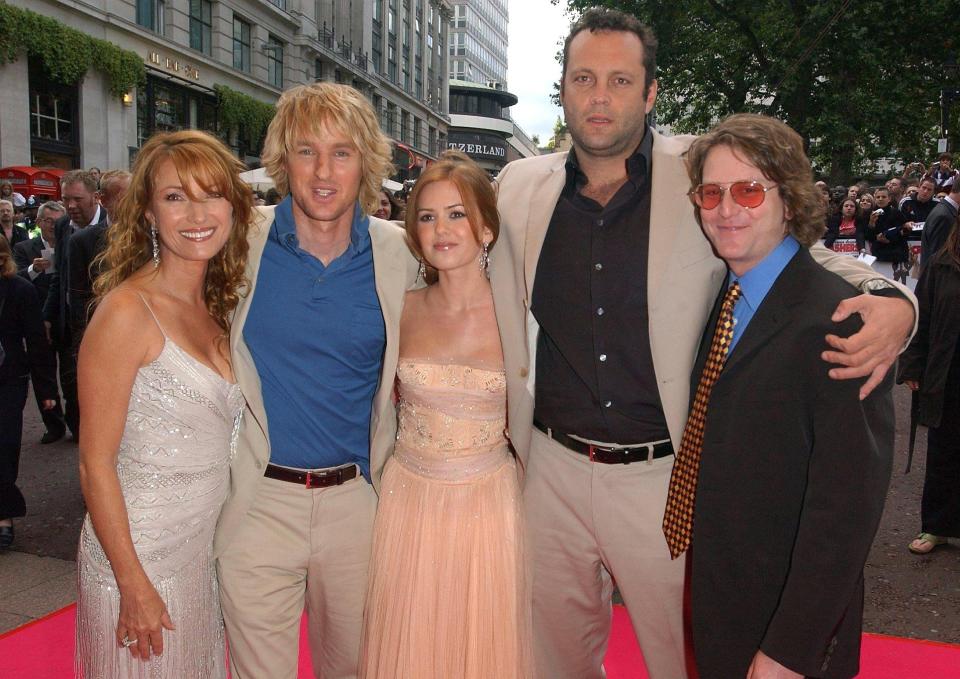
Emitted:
<point x="898" y="221"/>
<point x="445" y="428"/>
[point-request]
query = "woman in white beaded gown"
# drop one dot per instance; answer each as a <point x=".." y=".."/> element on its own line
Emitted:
<point x="448" y="594"/>
<point x="160" y="411"/>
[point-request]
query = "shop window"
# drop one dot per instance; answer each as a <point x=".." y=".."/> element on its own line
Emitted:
<point x="54" y="127"/>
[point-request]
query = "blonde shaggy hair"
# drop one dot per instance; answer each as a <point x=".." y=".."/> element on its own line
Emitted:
<point x="203" y="158"/>
<point x="775" y="150"/>
<point x="300" y="113"/>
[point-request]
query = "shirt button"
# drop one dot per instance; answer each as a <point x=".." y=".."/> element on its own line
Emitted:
<point x="600" y="311"/>
<point x="598" y="266"/>
<point x="607" y="404"/>
<point x="599" y="222"/>
<point x="603" y="358"/>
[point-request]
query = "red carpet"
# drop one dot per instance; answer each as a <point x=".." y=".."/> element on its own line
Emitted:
<point x="44" y="650"/>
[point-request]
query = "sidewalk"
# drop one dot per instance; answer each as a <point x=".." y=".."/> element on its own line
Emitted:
<point x="33" y="586"/>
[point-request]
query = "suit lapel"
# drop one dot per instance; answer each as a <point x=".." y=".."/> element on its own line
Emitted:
<point x="389" y="279"/>
<point x="546" y="192"/>
<point x="668" y="191"/>
<point x="774" y="312"/>
<point x="244" y="367"/>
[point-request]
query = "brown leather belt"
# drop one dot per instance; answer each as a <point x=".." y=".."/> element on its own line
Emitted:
<point x="312" y="479"/>
<point x="608" y="455"/>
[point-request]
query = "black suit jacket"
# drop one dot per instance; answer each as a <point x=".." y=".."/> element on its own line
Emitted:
<point x="23" y="254"/>
<point x="24" y="339"/>
<point x="85" y="245"/>
<point x="791" y="488"/>
<point x="936" y="229"/>
<point x="56" y="308"/>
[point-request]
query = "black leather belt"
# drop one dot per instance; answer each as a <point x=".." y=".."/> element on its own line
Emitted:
<point x="608" y="455"/>
<point x="312" y="479"/>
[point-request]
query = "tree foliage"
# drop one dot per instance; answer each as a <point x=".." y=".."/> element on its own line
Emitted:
<point x="859" y="79"/>
<point x="237" y="111"/>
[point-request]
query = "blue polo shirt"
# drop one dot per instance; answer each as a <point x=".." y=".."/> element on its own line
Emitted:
<point x="317" y="338"/>
<point x="756" y="283"/>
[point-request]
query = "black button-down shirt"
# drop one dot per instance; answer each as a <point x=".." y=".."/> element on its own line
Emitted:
<point x="595" y="375"/>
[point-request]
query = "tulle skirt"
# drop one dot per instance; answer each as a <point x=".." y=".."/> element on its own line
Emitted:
<point x="448" y="594"/>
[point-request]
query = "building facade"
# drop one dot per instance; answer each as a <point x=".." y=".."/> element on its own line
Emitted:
<point x="478" y="42"/>
<point x="394" y="51"/>
<point x="480" y="123"/>
<point x="480" y="126"/>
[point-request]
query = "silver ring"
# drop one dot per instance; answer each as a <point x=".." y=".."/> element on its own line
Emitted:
<point x="127" y="641"/>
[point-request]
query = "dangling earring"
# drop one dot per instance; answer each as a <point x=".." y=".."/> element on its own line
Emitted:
<point x="421" y="272"/>
<point x="156" y="246"/>
<point x="485" y="260"/>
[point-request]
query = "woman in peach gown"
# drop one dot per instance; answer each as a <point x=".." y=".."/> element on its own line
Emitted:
<point x="448" y="594"/>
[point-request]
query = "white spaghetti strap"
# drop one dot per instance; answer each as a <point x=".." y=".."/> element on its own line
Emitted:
<point x="155" y="319"/>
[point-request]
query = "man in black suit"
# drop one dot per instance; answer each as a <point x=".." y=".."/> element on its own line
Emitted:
<point x="85" y="245"/>
<point x="793" y="466"/>
<point x="938" y="225"/>
<point x="78" y="190"/>
<point x="32" y="265"/>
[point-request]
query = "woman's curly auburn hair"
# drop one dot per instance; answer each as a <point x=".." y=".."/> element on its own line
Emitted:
<point x="777" y="151"/>
<point x="204" y="159"/>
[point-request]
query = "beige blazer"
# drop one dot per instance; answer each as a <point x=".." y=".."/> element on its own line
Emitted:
<point x="394" y="271"/>
<point x="683" y="277"/>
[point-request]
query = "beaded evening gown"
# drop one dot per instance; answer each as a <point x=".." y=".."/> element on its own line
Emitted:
<point x="173" y="465"/>
<point x="448" y="593"/>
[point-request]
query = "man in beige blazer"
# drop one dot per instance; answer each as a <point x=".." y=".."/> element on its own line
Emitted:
<point x="314" y="345"/>
<point x="601" y="316"/>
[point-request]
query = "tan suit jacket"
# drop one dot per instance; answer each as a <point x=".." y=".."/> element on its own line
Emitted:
<point x="394" y="271"/>
<point x="683" y="277"/>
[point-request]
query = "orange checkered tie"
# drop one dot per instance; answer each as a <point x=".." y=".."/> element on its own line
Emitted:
<point x="678" y="516"/>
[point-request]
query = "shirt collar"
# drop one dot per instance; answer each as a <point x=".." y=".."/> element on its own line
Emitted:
<point x="952" y="202"/>
<point x="95" y="220"/>
<point x="756" y="283"/>
<point x="285" y="228"/>
<point x="638" y="164"/>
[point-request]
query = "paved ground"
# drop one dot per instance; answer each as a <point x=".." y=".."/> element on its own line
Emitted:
<point x="906" y="595"/>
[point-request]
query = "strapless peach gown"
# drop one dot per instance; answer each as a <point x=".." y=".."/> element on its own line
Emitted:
<point x="448" y="596"/>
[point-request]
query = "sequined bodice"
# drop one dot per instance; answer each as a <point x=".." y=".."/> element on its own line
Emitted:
<point x="451" y="418"/>
<point x="173" y="461"/>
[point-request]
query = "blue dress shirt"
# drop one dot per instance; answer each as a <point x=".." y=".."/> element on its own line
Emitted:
<point x="317" y="337"/>
<point x="756" y="283"/>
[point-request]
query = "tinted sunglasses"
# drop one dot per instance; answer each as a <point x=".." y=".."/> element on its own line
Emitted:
<point x="744" y="194"/>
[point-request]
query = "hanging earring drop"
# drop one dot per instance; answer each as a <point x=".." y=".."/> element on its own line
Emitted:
<point x="156" y="246"/>
<point x="421" y="272"/>
<point x="485" y="260"/>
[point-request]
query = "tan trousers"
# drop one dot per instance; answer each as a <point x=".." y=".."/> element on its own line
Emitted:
<point x="589" y="525"/>
<point x="298" y="548"/>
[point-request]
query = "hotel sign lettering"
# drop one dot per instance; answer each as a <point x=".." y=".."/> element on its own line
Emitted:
<point x="175" y="66"/>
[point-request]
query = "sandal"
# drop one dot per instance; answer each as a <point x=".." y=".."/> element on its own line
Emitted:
<point x="925" y="543"/>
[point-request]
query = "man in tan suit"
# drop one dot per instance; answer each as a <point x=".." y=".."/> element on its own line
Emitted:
<point x="314" y="346"/>
<point x="603" y="283"/>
